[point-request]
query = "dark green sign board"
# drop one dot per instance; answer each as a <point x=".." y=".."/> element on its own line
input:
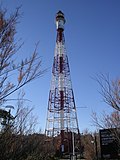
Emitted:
<point x="109" y="143"/>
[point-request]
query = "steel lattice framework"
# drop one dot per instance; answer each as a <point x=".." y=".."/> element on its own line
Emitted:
<point x="61" y="116"/>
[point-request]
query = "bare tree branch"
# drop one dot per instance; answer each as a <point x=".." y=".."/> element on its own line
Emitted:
<point x="110" y="90"/>
<point x="26" y="71"/>
<point x="106" y="121"/>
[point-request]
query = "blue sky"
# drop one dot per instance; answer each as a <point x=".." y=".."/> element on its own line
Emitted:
<point x="92" y="34"/>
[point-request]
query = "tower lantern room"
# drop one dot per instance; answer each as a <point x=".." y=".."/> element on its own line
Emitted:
<point x="60" y="20"/>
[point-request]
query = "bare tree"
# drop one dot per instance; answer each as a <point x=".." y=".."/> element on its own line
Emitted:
<point x="20" y="140"/>
<point x="108" y="121"/>
<point x="88" y="142"/>
<point x="25" y="71"/>
<point x="23" y="147"/>
<point x="24" y="122"/>
<point x="110" y="90"/>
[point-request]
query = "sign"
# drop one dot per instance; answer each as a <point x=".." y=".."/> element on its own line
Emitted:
<point x="109" y="143"/>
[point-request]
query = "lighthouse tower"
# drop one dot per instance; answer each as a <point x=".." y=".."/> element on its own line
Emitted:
<point x="62" y="116"/>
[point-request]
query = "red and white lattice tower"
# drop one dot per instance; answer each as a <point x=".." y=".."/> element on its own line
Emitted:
<point x="61" y="116"/>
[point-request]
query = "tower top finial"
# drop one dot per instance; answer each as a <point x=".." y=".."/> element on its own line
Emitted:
<point x="60" y="20"/>
<point x="60" y="12"/>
